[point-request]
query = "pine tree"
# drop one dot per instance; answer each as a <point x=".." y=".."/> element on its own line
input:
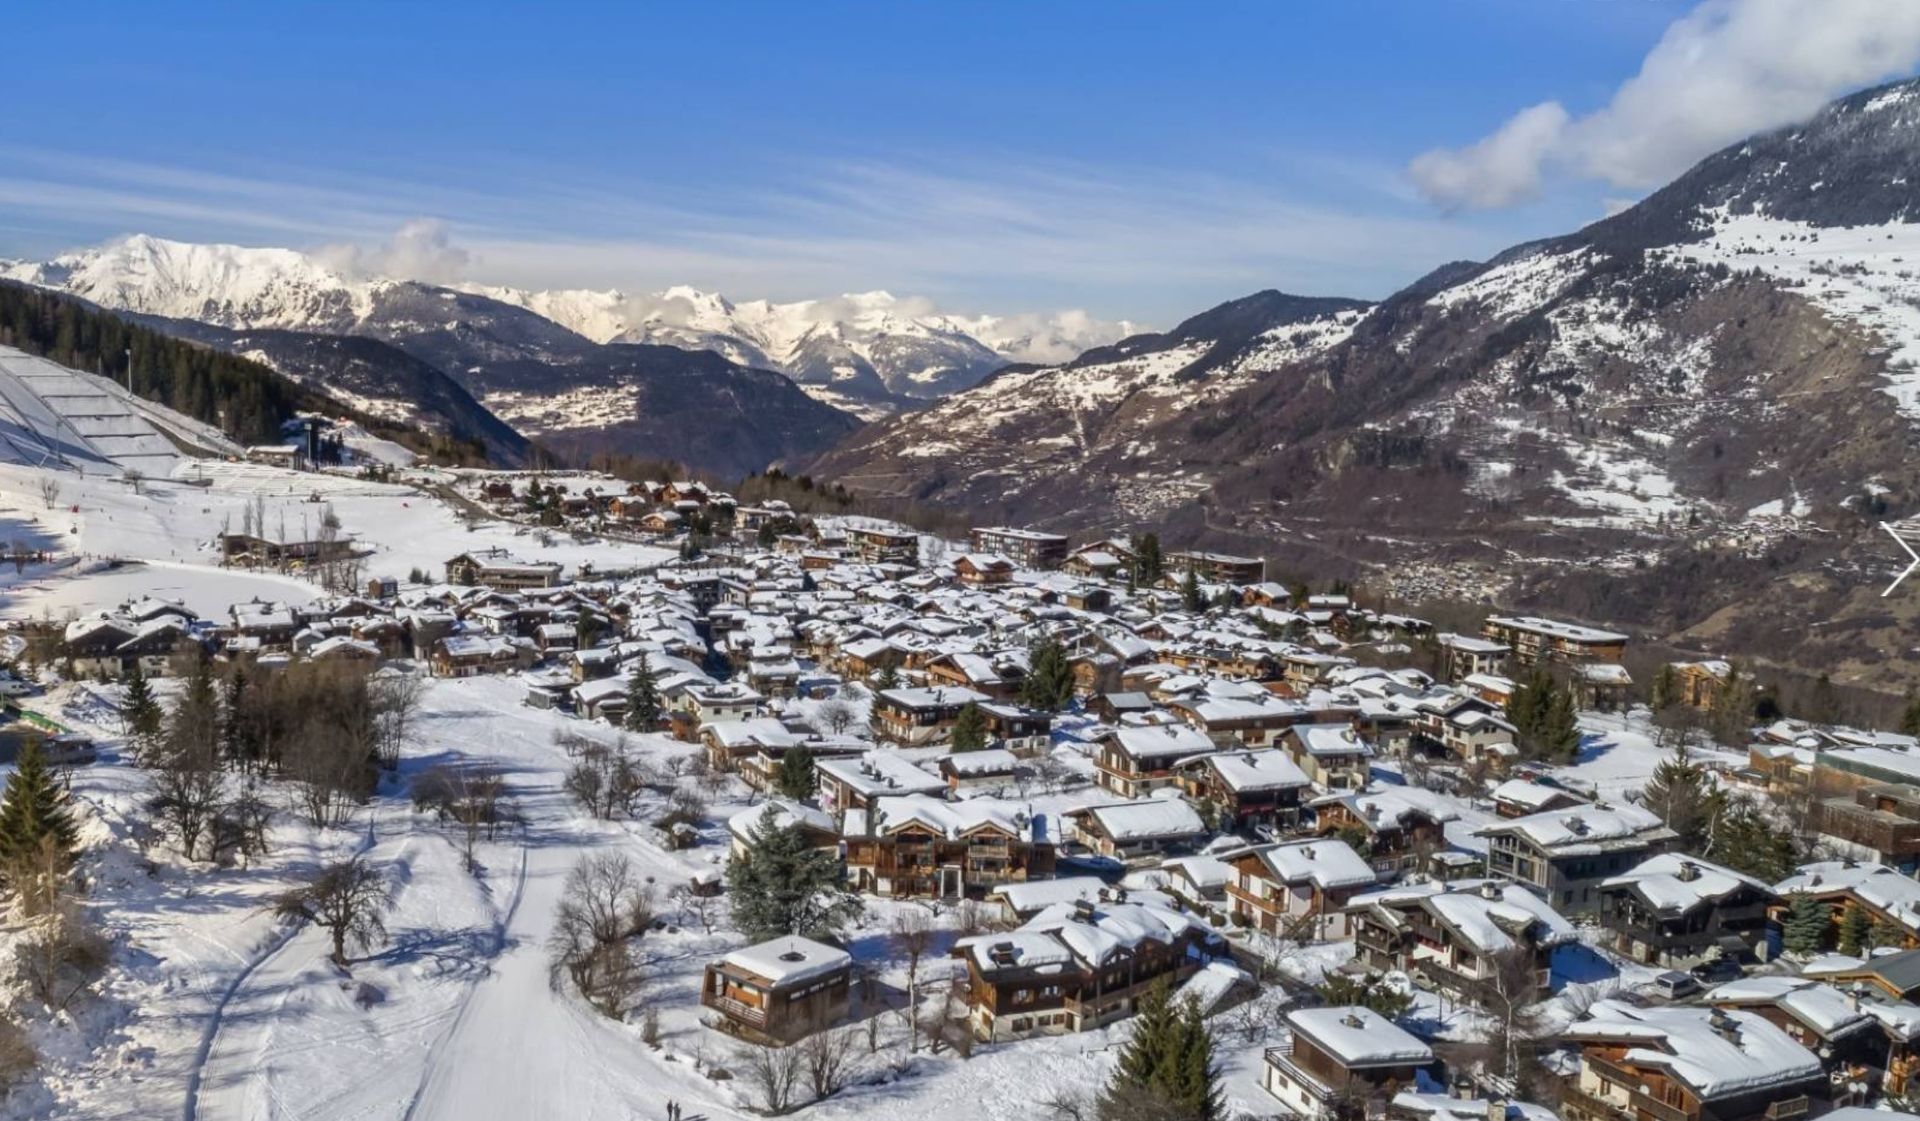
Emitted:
<point x="1681" y="794"/>
<point x="970" y="729"/>
<point x="141" y="713"/>
<point x="1746" y="841"/>
<point x="34" y="809"/>
<point x="887" y="678"/>
<point x="1049" y="680"/>
<point x="232" y="728"/>
<point x="795" y="776"/>
<point x="1806" y="925"/>
<point x="1191" y="597"/>
<point x="1856" y="930"/>
<point x="1910" y="719"/>
<point x="643" y="698"/>
<point x="1560" y="729"/>
<point x="1148" y="1051"/>
<point x="1732" y="714"/>
<point x="1149" y="564"/>
<point x="194" y="731"/>
<point x="1191" y="1079"/>
<point x="781" y="885"/>
<point x="1666" y="687"/>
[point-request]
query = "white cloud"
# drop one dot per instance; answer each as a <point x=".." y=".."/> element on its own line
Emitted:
<point x="421" y="249"/>
<point x="985" y="231"/>
<point x="1724" y="71"/>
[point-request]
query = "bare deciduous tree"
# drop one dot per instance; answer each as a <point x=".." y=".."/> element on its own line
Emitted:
<point x="395" y="701"/>
<point x="50" y="490"/>
<point x="469" y="795"/>
<point x="836" y="716"/>
<point x="348" y="900"/>
<point x="59" y="956"/>
<point x="602" y="907"/>
<point x="832" y="1060"/>
<point x="912" y="933"/>
<point x="774" y="1073"/>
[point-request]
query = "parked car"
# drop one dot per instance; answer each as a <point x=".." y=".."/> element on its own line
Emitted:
<point x="1716" y="971"/>
<point x="1674" y="985"/>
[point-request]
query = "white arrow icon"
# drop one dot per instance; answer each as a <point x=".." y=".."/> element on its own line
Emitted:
<point x="1905" y="572"/>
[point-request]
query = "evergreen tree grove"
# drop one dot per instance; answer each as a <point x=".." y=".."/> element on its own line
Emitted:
<point x="1049" y="680"/>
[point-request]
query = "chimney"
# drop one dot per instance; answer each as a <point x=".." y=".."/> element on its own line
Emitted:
<point x="1689" y="871"/>
<point x="1353" y="1020"/>
<point x="1083" y="910"/>
<point x="1724" y="1025"/>
<point x="1489" y="889"/>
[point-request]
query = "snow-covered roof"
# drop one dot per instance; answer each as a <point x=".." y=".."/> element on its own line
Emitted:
<point x="1147" y="819"/>
<point x="1327" y="863"/>
<point x="789" y="960"/>
<point x="1675" y="881"/>
<point x="1161" y="741"/>
<point x="880" y="772"/>
<point x="1243" y="771"/>
<point x="1583" y="829"/>
<point x="1714" y="1052"/>
<point x="1330" y="740"/>
<point x="1820" y="1006"/>
<point x="1359" y="1037"/>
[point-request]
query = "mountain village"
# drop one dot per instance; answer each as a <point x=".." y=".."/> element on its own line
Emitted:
<point x="1460" y="665"/>
<point x="894" y="808"/>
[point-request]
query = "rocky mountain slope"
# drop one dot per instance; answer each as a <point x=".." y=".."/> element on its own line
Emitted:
<point x="452" y="361"/>
<point x="1694" y="411"/>
<point x="870" y="351"/>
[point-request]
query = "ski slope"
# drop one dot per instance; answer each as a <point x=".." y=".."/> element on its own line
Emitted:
<point x="54" y="417"/>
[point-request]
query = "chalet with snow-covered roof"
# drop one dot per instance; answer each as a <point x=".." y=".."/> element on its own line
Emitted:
<point x="1134" y="831"/>
<point x="1566" y="855"/>
<point x="1132" y="762"/>
<point x="1245" y="790"/>
<point x="1675" y="1063"/>
<point x="1218" y="568"/>
<point x="1336" y="1062"/>
<point x="915" y="846"/>
<point x="500" y="571"/>
<point x="1456" y="937"/>
<point x="1888" y="900"/>
<point x="983" y="570"/>
<point x="472" y="655"/>
<point x="1464" y="655"/>
<point x="1520" y="797"/>
<point x="986" y="768"/>
<point x="1297" y="889"/>
<point x="1078" y="966"/>
<point x="915" y="717"/>
<point x="779" y="991"/>
<point x="1400" y="824"/>
<point x="1676" y="911"/>
<point x="1851" y="1041"/>
<point x="884" y="546"/>
<point x="1333" y="756"/>
<point x="853" y="784"/>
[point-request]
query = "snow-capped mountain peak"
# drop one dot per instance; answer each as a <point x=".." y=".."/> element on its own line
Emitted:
<point x="227" y="285"/>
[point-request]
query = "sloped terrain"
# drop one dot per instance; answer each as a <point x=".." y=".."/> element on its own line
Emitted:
<point x="1707" y="401"/>
<point x="58" y="418"/>
<point x="458" y="363"/>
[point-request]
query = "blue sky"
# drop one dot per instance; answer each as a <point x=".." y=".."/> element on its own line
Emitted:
<point x="1136" y="160"/>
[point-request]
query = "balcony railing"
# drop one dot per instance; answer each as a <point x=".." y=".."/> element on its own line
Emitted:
<point x="1789" y="1109"/>
<point x="735" y="1009"/>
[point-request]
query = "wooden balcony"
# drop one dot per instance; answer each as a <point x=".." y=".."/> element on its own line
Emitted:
<point x="735" y="1010"/>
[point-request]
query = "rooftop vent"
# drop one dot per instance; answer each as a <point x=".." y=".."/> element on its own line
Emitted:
<point x="1353" y="1019"/>
<point x="793" y="955"/>
<point x="1724" y="1025"/>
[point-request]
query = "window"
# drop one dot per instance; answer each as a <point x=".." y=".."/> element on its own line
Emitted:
<point x="1023" y="996"/>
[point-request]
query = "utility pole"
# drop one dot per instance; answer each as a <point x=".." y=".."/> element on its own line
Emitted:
<point x="129" y="369"/>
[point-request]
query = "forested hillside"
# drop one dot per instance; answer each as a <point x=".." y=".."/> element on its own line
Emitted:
<point x="246" y="400"/>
